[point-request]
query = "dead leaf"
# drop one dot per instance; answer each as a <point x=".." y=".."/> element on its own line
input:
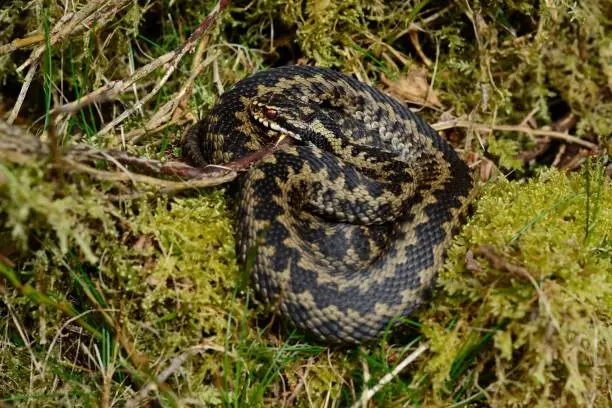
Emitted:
<point x="412" y="87"/>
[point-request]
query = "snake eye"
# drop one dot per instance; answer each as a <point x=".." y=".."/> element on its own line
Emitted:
<point x="271" y="113"/>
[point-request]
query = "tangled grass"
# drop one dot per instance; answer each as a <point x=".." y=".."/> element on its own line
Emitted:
<point x="120" y="287"/>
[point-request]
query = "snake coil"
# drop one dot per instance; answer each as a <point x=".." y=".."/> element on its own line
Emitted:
<point x="348" y="225"/>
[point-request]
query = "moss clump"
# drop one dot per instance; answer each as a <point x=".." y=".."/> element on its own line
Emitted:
<point x="160" y="274"/>
<point x="525" y="320"/>
<point x="191" y="267"/>
<point x="521" y="320"/>
<point x="496" y="61"/>
<point x="105" y="302"/>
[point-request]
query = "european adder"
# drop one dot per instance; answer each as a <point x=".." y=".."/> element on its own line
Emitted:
<point x="348" y="225"/>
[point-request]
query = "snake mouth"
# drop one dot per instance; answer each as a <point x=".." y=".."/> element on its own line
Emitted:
<point x="259" y="114"/>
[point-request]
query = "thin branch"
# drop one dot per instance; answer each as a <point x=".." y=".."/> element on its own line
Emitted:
<point x="22" y="93"/>
<point x="368" y="394"/>
<point x="175" y="364"/>
<point x="69" y="24"/>
<point x="414" y="39"/>
<point x="18" y="146"/>
<point x="113" y="88"/>
<point x="74" y="23"/>
<point x="137" y="135"/>
<point x="450" y="124"/>
<point x="206" y="179"/>
<point x="168" y="111"/>
<point x="289" y="402"/>
<point x="188" y="46"/>
<point x="21" y="43"/>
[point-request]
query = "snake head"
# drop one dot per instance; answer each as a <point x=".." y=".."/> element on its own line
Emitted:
<point x="309" y="123"/>
<point x="282" y="116"/>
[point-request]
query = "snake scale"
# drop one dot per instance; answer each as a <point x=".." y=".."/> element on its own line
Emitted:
<point x="346" y="227"/>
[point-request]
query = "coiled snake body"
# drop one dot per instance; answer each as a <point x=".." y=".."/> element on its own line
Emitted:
<point x="347" y="226"/>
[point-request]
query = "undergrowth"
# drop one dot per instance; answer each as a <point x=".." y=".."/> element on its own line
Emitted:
<point x="117" y="302"/>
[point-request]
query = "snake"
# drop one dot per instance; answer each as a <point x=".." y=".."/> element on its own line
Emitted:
<point x="345" y="227"/>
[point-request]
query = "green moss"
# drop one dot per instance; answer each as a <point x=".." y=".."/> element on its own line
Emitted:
<point x="30" y="207"/>
<point x="530" y="326"/>
<point x="166" y="271"/>
<point x="191" y="272"/>
<point x="537" y="329"/>
<point x="100" y="296"/>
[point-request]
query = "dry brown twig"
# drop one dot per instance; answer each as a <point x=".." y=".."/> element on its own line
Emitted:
<point x="78" y="157"/>
<point x="112" y="89"/>
<point x="562" y="125"/>
<point x="167" y="114"/>
<point x="75" y="23"/>
<point x="177" y="56"/>
<point x="450" y="124"/>
<point x="22" y="93"/>
<point x="370" y="392"/>
<point x="175" y="111"/>
<point x="21" y="43"/>
<point x="174" y="365"/>
<point x="70" y="24"/>
<point x="18" y="146"/>
<point x="302" y="374"/>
